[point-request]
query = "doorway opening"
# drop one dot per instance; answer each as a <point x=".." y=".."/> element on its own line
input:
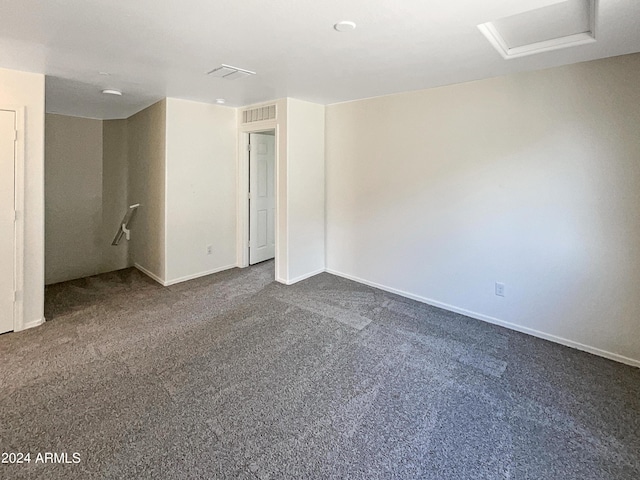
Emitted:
<point x="262" y="196"/>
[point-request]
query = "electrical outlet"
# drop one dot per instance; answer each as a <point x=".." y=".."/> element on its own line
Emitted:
<point x="500" y="289"/>
<point x="209" y="249"/>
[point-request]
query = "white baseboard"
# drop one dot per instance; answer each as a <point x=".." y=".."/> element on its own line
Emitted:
<point x="31" y="324"/>
<point x="167" y="283"/>
<point x="198" y="275"/>
<point x="496" y="321"/>
<point x="149" y="273"/>
<point x="302" y="277"/>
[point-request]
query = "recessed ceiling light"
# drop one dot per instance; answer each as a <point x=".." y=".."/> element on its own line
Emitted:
<point x="220" y="101"/>
<point x="111" y="91"/>
<point x="345" y="26"/>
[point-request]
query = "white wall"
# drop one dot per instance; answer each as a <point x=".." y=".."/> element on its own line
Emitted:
<point x="85" y="196"/>
<point x="201" y="189"/>
<point x="181" y="157"/>
<point x="73" y="197"/>
<point x="305" y="189"/>
<point x="20" y="89"/>
<point x="115" y="188"/>
<point x="146" y="156"/>
<point x="530" y="179"/>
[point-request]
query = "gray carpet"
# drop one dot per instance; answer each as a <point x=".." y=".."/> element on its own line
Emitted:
<point x="236" y="376"/>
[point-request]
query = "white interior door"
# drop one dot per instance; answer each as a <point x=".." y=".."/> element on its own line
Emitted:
<point x="7" y="218"/>
<point x="262" y="197"/>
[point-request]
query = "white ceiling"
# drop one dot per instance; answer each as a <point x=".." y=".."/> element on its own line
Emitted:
<point x="153" y="49"/>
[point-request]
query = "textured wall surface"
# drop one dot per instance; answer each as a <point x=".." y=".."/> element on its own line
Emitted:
<point x="532" y="180"/>
<point x="85" y="196"/>
<point x="201" y="188"/>
<point x="146" y="152"/>
<point x="73" y="197"/>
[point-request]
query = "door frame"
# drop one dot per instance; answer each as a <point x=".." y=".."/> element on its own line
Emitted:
<point x="271" y="133"/>
<point x="19" y="186"/>
<point x="243" y="191"/>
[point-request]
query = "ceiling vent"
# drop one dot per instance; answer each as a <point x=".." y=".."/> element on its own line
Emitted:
<point x="564" y="24"/>
<point x="230" y="73"/>
<point x="260" y="114"/>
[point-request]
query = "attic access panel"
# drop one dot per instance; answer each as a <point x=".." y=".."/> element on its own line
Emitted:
<point x="564" y="24"/>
